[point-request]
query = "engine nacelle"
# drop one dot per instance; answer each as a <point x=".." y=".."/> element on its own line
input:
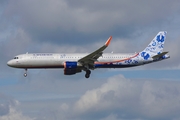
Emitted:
<point x="70" y="65"/>
<point x="71" y="68"/>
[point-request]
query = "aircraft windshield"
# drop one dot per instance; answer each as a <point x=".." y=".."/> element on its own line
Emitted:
<point x="15" y="57"/>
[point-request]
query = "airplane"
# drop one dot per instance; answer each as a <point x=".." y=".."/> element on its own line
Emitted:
<point x="76" y="63"/>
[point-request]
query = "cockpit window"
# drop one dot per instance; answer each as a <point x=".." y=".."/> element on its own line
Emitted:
<point x="16" y="58"/>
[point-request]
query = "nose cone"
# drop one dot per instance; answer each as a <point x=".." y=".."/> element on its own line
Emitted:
<point x="10" y="63"/>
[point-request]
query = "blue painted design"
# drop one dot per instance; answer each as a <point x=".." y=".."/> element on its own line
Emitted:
<point x="154" y="43"/>
<point x="163" y="57"/>
<point x="147" y="49"/>
<point x="126" y="61"/>
<point x="145" y="55"/>
<point x="129" y="61"/>
<point x="142" y="54"/>
<point x="160" y="40"/>
<point x="120" y="63"/>
<point x="162" y="45"/>
<point x="135" y="61"/>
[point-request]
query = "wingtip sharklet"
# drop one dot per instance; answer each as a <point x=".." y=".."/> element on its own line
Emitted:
<point x="108" y="41"/>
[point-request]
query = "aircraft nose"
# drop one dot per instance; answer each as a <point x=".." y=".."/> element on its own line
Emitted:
<point x="9" y="63"/>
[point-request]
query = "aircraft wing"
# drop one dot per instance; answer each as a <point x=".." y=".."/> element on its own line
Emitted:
<point x="92" y="57"/>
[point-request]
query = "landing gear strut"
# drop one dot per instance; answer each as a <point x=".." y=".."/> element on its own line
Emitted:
<point x="25" y="74"/>
<point x="88" y="72"/>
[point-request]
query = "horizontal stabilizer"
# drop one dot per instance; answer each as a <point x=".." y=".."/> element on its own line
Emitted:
<point x="159" y="55"/>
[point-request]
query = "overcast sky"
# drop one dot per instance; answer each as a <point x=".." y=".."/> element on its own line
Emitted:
<point x="150" y="92"/>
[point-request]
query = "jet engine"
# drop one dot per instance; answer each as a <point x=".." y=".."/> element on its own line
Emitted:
<point x="71" y="68"/>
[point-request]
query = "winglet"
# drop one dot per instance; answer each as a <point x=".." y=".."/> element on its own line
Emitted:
<point x="108" y="41"/>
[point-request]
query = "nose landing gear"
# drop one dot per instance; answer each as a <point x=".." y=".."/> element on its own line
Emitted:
<point x="25" y="74"/>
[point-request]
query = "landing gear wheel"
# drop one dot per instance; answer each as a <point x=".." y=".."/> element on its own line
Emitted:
<point x="25" y="74"/>
<point x="88" y="72"/>
<point x="87" y="75"/>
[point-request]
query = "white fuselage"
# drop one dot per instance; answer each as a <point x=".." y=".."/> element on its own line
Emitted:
<point x="51" y="60"/>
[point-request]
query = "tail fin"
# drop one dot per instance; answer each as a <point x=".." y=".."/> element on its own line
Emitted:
<point x="156" y="45"/>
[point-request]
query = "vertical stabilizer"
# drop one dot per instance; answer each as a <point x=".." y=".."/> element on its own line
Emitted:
<point x="156" y="45"/>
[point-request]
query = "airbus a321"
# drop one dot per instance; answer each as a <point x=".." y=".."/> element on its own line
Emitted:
<point x="76" y="63"/>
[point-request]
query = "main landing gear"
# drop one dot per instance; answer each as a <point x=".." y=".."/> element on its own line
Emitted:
<point x="25" y="74"/>
<point x="88" y="72"/>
